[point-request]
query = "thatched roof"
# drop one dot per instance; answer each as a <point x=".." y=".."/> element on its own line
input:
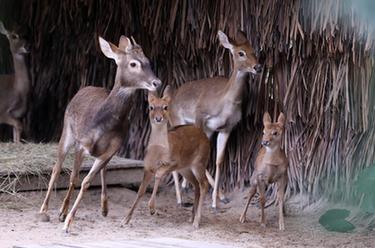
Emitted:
<point x="317" y="56"/>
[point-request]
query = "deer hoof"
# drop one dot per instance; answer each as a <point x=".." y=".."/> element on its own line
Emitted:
<point x="62" y="217"/>
<point x="43" y="217"/>
<point x="124" y="222"/>
<point x="104" y="212"/>
<point x="196" y="224"/>
<point x="225" y="200"/>
<point x="152" y="211"/>
<point x="185" y="205"/>
<point x="243" y="219"/>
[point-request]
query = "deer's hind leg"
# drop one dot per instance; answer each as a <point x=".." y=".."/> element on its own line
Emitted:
<point x="65" y="143"/>
<point x="74" y="177"/>
<point x="200" y="174"/>
<point x="188" y="174"/>
<point x="17" y="127"/>
<point x="281" y="185"/>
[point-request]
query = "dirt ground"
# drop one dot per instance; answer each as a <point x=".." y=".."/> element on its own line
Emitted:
<point x="19" y="225"/>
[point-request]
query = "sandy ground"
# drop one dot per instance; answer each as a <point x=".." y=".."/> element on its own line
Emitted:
<point x="19" y="225"/>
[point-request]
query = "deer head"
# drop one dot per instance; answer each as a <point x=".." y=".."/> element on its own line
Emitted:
<point x="17" y="45"/>
<point x="242" y="52"/>
<point x="272" y="132"/>
<point x="133" y="67"/>
<point x="159" y="107"/>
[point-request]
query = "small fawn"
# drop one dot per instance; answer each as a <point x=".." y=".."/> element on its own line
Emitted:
<point x="184" y="149"/>
<point x="271" y="166"/>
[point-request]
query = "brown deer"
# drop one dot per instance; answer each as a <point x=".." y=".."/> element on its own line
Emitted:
<point x="95" y="121"/>
<point x="184" y="149"/>
<point x="14" y="88"/>
<point x="271" y="166"/>
<point x="215" y="103"/>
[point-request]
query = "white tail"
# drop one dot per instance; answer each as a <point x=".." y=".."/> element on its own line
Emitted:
<point x="14" y="88"/>
<point x="95" y="121"/>
<point x="215" y="103"/>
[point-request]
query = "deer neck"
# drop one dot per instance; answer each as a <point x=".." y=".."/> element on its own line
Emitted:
<point x="272" y="155"/>
<point x="114" y="110"/>
<point x="159" y="135"/>
<point x="235" y="86"/>
<point x="22" y="82"/>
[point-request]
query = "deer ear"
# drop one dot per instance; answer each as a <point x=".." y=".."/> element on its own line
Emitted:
<point x="224" y="41"/>
<point x="266" y="118"/>
<point x="281" y="119"/>
<point x="125" y="43"/>
<point x="151" y="97"/>
<point x="167" y="95"/>
<point x="2" y="29"/>
<point x="109" y="50"/>
<point x="241" y="37"/>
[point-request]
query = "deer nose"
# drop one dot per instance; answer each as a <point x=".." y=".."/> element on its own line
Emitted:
<point x="258" y="68"/>
<point x="156" y="83"/>
<point x="158" y="119"/>
<point x="265" y="143"/>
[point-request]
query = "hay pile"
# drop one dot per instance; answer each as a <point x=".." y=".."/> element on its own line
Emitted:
<point x="17" y="160"/>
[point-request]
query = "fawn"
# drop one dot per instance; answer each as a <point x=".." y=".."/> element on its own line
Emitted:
<point x="184" y="149"/>
<point x="271" y="166"/>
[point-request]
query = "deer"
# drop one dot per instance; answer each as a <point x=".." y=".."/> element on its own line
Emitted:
<point x="14" y="88"/>
<point x="183" y="148"/>
<point x="95" y="122"/>
<point x="215" y="104"/>
<point x="271" y="166"/>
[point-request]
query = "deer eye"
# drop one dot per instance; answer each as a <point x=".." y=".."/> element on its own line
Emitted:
<point x="133" y="64"/>
<point x="274" y="133"/>
<point x="151" y="107"/>
<point x="241" y="53"/>
<point x="165" y="107"/>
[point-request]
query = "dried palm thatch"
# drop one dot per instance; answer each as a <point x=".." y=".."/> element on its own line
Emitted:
<point x="318" y="64"/>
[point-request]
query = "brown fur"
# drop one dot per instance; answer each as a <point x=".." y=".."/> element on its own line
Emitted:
<point x="271" y="166"/>
<point x="95" y="121"/>
<point x="184" y="149"/>
<point x="14" y="88"/>
<point x="215" y="103"/>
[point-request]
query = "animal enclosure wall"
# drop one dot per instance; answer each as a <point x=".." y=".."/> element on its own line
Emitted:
<point x="317" y="59"/>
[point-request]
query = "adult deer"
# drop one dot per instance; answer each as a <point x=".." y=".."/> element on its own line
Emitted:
<point x="184" y="148"/>
<point x="14" y="88"/>
<point x="271" y="166"/>
<point x="95" y="121"/>
<point x="215" y="103"/>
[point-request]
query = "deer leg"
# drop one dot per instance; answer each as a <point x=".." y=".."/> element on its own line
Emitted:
<point x="17" y="128"/>
<point x="66" y="141"/>
<point x="199" y="173"/>
<point x="221" y="142"/>
<point x="99" y="164"/>
<point x="104" y="196"/>
<point x="74" y="176"/>
<point x="262" y="198"/>
<point x="177" y="188"/>
<point x="211" y="181"/>
<point x="160" y="173"/>
<point x="252" y="191"/>
<point x="188" y="174"/>
<point x="147" y="176"/>
<point x="281" y="185"/>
